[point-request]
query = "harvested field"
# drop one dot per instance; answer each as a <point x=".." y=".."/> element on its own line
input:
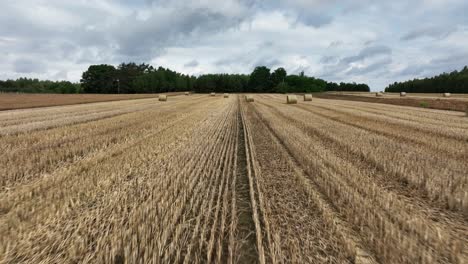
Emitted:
<point x="201" y="179"/>
<point x="9" y="101"/>
<point x="456" y="102"/>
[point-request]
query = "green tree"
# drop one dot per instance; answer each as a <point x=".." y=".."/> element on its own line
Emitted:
<point x="278" y="76"/>
<point x="127" y="73"/>
<point x="282" y="88"/>
<point x="99" y="79"/>
<point x="260" y="80"/>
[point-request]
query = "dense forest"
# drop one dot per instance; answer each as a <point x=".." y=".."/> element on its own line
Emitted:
<point x="144" y="78"/>
<point x="454" y="82"/>
<point x="134" y="78"/>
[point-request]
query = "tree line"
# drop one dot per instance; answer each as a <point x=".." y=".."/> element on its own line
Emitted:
<point x="454" y="82"/>
<point x="144" y="78"/>
<point x="25" y="85"/>
<point x="263" y="80"/>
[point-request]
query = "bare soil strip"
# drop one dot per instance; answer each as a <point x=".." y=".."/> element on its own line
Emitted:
<point x="246" y="250"/>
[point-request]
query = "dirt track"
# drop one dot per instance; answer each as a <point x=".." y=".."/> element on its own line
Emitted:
<point x="212" y="179"/>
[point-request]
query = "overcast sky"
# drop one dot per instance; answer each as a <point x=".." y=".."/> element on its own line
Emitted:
<point x="376" y="42"/>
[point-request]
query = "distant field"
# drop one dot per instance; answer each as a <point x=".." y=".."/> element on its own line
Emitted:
<point x="10" y="101"/>
<point x="208" y="179"/>
<point x="456" y="102"/>
<point x="408" y="95"/>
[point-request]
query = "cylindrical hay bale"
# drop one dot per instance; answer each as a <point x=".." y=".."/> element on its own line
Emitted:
<point x="447" y="94"/>
<point x="402" y="94"/>
<point x="163" y="97"/>
<point x="187" y="93"/>
<point x="249" y="98"/>
<point x="379" y="94"/>
<point x="212" y="94"/>
<point x="291" y="99"/>
<point x="226" y="95"/>
<point x="307" y="97"/>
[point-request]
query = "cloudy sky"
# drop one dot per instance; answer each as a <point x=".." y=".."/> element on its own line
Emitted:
<point x="376" y="42"/>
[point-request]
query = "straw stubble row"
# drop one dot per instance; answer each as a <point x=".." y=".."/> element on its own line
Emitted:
<point x="201" y="180"/>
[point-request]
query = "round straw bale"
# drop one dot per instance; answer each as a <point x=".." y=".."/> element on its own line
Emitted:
<point x="307" y="97"/>
<point x="163" y="97"/>
<point x="402" y="94"/>
<point x="249" y="98"/>
<point x="447" y="94"/>
<point x="187" y="93"/>
<point x="226" y="95"/>
<point x="379" y="94"/>
<point x="291" y="99"/>
<point x="213" y="94"/>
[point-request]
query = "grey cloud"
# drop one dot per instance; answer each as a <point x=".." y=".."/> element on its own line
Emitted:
<point x="335" y="43"/>
<point x="252" y="58"/>
<point x="454" y="58"/>
<point x="137" y="39"/>
<point x="328" y="59"/>
<point x="28" y="66"/>
<point x="435" y="66"/>
<point x="368" y="42"/>
<point x="191" y="64"/>
<point x="182" y="32"/>
<point x="118" y="38"/>
<point x="431" y="32"/>
<point x="61" y="75"/>
<point x="412" y="70"/>
<point x="371" y="59"/>
<point x="314" y="19"/>
<point x="226" y="61"/>
<point x="368" y="52"/>
<point x="267" y="44"/>
<point x="250" y="61"/>
<point x="309" y="13"/>
<point x="268" y="62"/>
<point x="373" y="67"/>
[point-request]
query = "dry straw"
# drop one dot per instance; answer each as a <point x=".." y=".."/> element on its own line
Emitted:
<point x="307" y="97"/>
<point x="379" y="94"/>
<point x="187" y="93"/>
<point x="447" y="94"/>
<point x="226" y="95"/>
<point x="249" y="98"/>
<point x="291" y="99"/>
<point x="213" y="94"/>
<point x="163" y="97"/>
<point x="402" y="94"/>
